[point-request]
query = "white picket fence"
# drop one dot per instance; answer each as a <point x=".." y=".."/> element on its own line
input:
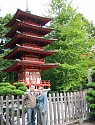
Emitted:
<point x="62" y="109"/>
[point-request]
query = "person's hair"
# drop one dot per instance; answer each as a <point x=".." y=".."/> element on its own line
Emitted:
<point x="32" y="86"/>
<point x="40" y="87"/>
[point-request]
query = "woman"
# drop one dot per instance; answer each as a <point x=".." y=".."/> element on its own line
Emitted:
<point x="41" y="107"/>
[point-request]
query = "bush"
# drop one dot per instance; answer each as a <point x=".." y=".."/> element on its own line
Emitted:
<point x="24" y="88"/>
<point x="93" y="73"/>
<point x="11" y="87"/>
<point x="19" y="84"/>
<point x="91" y="95"/>
<point x="91" y="85"/>
<point x="17" y="92"/>
<point x="91" y="99"/>
<point x="5" y="91"/>
<point x="18" y="89"/>
<point x="4" y="84"/>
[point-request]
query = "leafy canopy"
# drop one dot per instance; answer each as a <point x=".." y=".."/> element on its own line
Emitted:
<point x="75" y="37"/>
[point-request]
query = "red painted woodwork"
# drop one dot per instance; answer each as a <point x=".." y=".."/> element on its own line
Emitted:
<point x="21" y="15"/>
<point x="28" y="29"/>
<point x="27" y="44"/>
<point x="22" y="38"/>
<point x="23" y="51"/>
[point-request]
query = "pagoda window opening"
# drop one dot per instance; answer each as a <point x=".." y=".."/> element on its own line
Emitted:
<point x="33" y="77"/>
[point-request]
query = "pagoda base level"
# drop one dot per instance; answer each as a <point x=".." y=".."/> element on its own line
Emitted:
<point x="44" y="84"/>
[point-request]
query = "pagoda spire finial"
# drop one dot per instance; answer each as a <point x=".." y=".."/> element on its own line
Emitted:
<point x="26" y="5"/>
<point x="27" y="10"/>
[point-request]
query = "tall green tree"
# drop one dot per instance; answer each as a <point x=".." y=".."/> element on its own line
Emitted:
<point x="3" y="30"/>
<point x="75" y="37"/>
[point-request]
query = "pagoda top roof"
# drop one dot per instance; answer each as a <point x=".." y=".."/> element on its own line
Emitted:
<point x="18" y="52"/>
<point x="28" y="65"/>
<point x="20" y="38"/>
<point x="23" y="27"/>
<point x="28" y="16"/>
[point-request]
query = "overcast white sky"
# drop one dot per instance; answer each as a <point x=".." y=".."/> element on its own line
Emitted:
<point x="38" y="7"/>
<point x="35" y="6"/>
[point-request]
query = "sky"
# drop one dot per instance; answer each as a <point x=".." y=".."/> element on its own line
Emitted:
<point x="39" y="7"/>
<point x="87" y="8"/>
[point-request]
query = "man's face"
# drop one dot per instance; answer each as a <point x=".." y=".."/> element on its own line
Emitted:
<point x="32" y="89"/>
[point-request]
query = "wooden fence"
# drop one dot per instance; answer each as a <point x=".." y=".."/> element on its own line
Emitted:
<point x="62" y="109"/>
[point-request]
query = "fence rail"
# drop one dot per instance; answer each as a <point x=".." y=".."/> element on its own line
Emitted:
<point x="62" y="108"/>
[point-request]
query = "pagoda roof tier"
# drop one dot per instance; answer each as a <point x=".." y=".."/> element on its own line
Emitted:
<point x="27" y="29"/>
<point x="23" y="38"/>
<point x="28" y="17"/>
<point x="28" y="65"/>
<point x="19" y="51"/>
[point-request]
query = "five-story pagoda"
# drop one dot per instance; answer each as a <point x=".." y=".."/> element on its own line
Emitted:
<point x="27" y="44"/>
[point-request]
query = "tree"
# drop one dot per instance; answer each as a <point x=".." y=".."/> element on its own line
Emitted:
<point x="75" y="37"/>
<point x="3" y="31"/>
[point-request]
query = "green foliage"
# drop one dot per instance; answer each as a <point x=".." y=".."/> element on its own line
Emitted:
<point x="4" y="63"/>
<point x="91" y="85"/>
<point x="92" y="106"/>
<point x="17" y="92"/>
<point x="19" y="84"/>
<point x="89" y="98"/>
<point x="91" y="95"/>
<point x="23" y="88"/>
<point x="11" y="87"/>
<point x="93" y="73"/>
<point x="6" y="89"/>
<point x="74" y="39"/>
<point x="4" y="84"/>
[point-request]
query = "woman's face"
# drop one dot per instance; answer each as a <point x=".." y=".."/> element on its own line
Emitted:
<point x="40" y="90"/>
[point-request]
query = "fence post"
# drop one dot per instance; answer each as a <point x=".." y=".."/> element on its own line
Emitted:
<point x="1" y="110"/>
<point x="7" y="110"/>
<point x="50" y="110"/>
<point x="23" y="111"/>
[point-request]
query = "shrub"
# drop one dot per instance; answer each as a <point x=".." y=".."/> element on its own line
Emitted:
<point x="24" y="88"/>
<point x="18" y="89"/>
<point x="91" y="99"/>
<point x="91" y="95"/>
<point x="11" y="87"/>
<point x="91" y="85"/>
<point x="17" y="92"/>
<point x="4" y="84"/>
<point x="5" y="91"/>
<point x="93" y="73"/>
<point x="19" y="84"/>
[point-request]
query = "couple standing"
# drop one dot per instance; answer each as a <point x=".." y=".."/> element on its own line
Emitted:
<point x="36" y="103"/>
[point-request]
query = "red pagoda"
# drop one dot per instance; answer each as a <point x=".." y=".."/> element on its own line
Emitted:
<point x="27" y="44"/>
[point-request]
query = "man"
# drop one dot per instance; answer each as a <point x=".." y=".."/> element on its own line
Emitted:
<point x="41" y="107"/>
<point x="30" y="102"/>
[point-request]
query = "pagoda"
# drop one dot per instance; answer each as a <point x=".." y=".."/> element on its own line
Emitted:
<point x="27" y="48"/>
